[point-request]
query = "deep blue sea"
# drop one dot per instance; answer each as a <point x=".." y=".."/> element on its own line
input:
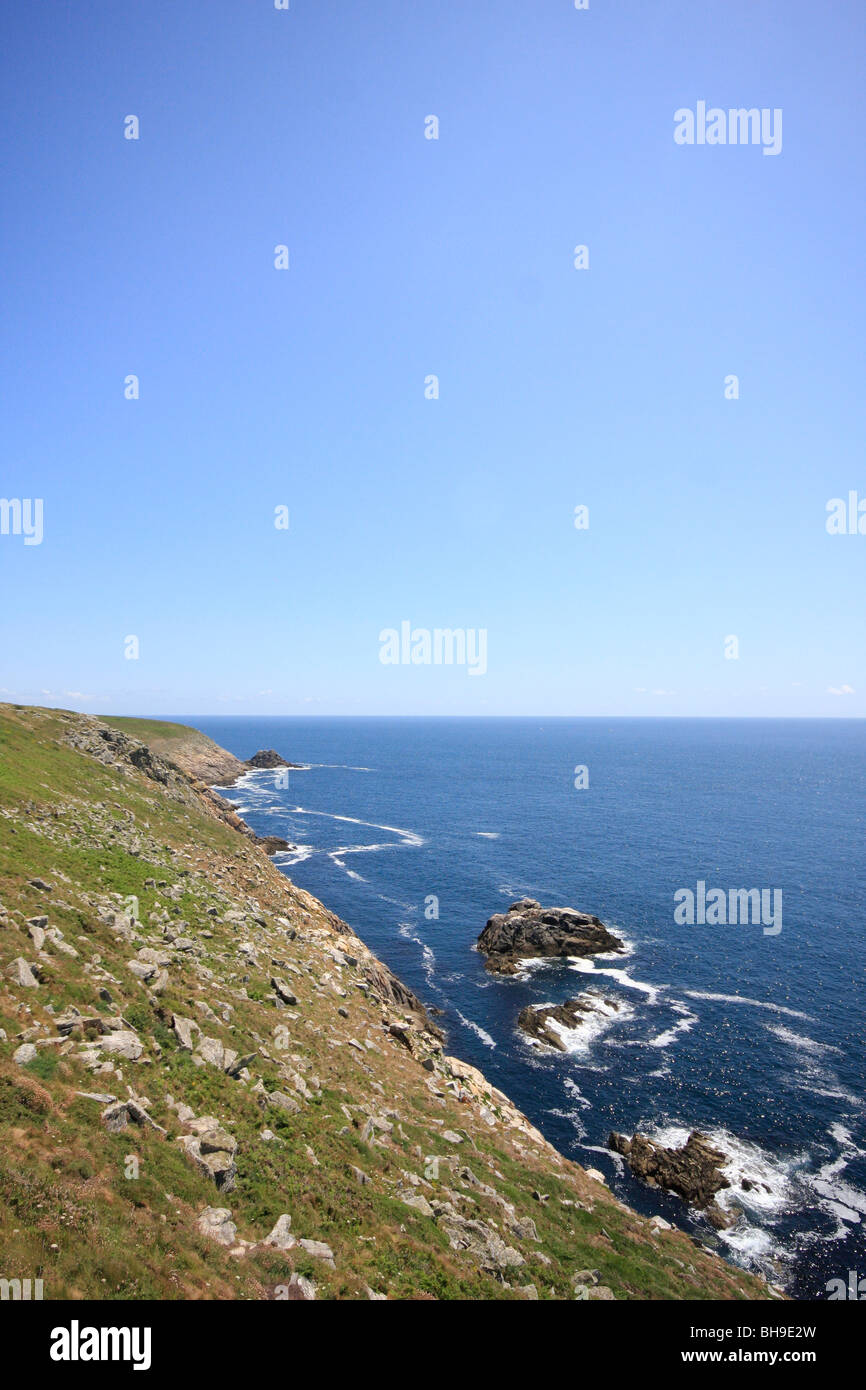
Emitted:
<point x="755" y="1038"/>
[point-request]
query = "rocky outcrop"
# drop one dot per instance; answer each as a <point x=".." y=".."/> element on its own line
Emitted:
<point x="212" y="1149"/>
<point x="272" y="844"/>
<point x="529" y="930"/>
<point x="269" y="757"/>
<point x="693" y="1172"/>
<point x="389" y="989"/>
<point x="540" y="1021"/>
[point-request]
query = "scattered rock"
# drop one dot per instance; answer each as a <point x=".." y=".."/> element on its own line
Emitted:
<point x="20" y="973"/>
<point x="281" y="1237"/>
<point x="185" y="1030"/>
<point x="122" y="1044"/>
<point x="524" y="1228"/>
<point x="300" y="1289"/>
<point x="217" y="1224"/>
<point x="282" y="991"/>
<point x="212" y="1150"/>
<point x="283" y="1102"/>
<point x="319" y="1251"/>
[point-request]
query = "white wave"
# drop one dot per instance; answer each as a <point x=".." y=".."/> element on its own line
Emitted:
<point x="476" y="1029"/>
<point x="570" y="1086"/>
<point x="833" y="1093"/>
<point x="787" y="1035"/>
<point x="616" y="1159"/>
<point x="428" y="956"/>
<point x="743" y="999"/>
<point x="287" y="857"/>
<point x="754" y="1244"/>
<point x="341" y="767"/>
<point x="685" y="1025"/>
<point x="587" y="966"/>
<point x="842" y="1136"/>
<point x="844" y="1200"/>
<point x="578" y="1041"/>
<point x="573" y="1117"/>
<point x="408" y="839"/>
<point x="759" y="1181"/>
<point x="488" y="834"/>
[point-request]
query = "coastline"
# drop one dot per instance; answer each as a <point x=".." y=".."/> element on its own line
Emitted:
<point x="232" y="992"/>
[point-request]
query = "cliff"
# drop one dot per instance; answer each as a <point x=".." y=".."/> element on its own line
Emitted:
<point x="210" y="1088"/>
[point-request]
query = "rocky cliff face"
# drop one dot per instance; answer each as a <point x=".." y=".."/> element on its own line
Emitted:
<point x="210" y="1087"/>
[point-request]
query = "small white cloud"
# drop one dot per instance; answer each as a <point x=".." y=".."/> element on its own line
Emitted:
<point x="840" y="690"/>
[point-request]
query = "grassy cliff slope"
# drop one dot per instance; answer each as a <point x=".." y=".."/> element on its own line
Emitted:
<point x="185" y="1034"/>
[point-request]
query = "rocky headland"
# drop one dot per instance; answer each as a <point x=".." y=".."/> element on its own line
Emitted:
<point x="529" y="930"/>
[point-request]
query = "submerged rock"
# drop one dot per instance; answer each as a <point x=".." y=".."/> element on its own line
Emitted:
<point x="693" y="1172"/>
<point x="539" y="1020"/>
<point x="529" y="930"/>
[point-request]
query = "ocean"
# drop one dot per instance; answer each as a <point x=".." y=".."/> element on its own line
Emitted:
<point x="416" y="831"/>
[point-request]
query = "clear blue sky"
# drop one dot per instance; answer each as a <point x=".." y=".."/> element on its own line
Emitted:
<point x="410" y="256"/>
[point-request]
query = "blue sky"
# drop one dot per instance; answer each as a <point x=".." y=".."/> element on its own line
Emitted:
<point x="410" y="257"/>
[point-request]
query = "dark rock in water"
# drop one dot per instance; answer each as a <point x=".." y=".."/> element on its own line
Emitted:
<point x="536" y="1019"/>
<point x="271" y="844"/>
<point x="528" y="929"/>
<point x="269" y="757"/>
<point x="693" y="1172"/>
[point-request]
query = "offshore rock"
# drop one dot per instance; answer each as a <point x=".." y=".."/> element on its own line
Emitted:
<point x="529" y="930"/>
<point x="693" y="1172"/>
